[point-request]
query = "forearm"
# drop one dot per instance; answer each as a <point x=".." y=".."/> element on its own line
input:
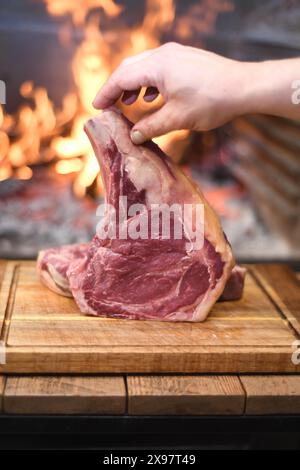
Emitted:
<point x="201" y="90"/>
<point x="272" y="87"/>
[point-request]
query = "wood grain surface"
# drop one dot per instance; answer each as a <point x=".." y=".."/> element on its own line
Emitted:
<point x="185" y="395"/>
<point x="278" y="394"/>
<point x="46" y="333"/>
<point x="151" y="395"/>
<point x="283" y="286"/>
<point x="64" y="395"/>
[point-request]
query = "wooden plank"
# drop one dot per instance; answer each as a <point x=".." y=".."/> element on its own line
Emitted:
<point x="282" y="285"/>
<point x="48" y="334"/>
<point x="126" y="359"/>
<point x="2" y="385"/>
<point x="278" y="394"/>
<point x="65" y="395"/>
<point x="44" y="318"/>
<point x="185" y="395"/>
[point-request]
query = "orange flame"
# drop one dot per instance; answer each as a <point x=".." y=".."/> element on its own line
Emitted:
<point x="80" y="9"/>
<point x="93" y="62"/>
<point x="37" y="132"/>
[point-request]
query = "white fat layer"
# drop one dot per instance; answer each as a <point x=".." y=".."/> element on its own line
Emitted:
<point x="147" y="176"/>
<point x="58" y="278"/>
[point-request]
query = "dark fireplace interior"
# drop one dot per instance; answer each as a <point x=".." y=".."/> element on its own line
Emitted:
<point x="55" y="55"/>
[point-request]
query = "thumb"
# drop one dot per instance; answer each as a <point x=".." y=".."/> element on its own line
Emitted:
<point x="158" y="123"/>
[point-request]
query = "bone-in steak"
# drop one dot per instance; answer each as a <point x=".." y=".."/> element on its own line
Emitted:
<point x="144" y="278"/>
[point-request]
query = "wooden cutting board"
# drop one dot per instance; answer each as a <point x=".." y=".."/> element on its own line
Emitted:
<point x="45" y="333"/>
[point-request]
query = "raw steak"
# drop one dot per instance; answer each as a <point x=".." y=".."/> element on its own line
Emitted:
<point x="158" y="279"/>
<point x="53" y="265"/>
<point x="235" y="285"/>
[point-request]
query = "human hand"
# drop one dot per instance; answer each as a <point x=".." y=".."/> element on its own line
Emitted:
<point x="200" y="90"/>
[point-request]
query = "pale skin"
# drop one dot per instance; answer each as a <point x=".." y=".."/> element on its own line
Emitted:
<point x="200" y="90"/>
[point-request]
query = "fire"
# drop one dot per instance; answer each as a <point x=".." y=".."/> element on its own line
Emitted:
<point x="24" y="173"/>
<point x="68" y="166"/>
<point x="93" y="62"/>
<point x="37" y="132"/>
<point x="80" y="10"/>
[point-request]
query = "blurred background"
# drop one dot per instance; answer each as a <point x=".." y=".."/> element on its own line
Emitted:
<point x="55" y="54"/>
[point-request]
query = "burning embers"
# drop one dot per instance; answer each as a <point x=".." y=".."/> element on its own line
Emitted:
<point x="42" y="212"/>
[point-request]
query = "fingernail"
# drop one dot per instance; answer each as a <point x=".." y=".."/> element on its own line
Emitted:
<point x="137" y="137"/>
